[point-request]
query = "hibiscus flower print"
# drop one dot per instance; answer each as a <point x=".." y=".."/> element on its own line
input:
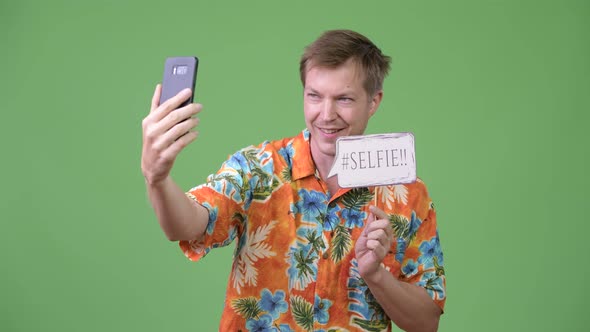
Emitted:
<point x="320" y="310"/>
<point x="311" y="205"/>
<point x="410" y="268"/>
<point x="273" y="304"/>
<point x="430" y="250"/>
<point x="263" y="324"/>
<point x="354" y="218"/>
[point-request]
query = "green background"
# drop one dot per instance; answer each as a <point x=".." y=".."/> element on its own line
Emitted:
<point x="497" y="94"/>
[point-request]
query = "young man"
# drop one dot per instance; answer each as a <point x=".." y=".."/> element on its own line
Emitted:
<point x="310" y="255"/>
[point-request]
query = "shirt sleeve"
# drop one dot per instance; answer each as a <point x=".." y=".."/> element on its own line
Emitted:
<point x="423" y="258"/>
<point x="226" y="195"/>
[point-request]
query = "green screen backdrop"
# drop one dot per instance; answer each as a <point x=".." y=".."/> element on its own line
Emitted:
<point x="497" y="94"/>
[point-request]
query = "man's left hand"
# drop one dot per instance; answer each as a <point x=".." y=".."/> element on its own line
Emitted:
<point x="374" y="243"/>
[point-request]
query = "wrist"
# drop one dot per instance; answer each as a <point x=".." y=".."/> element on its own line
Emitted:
<point x="376" y="276"/>
<point x="155" y="183"/>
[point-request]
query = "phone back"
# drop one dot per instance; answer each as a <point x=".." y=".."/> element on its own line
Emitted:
<point x="179" y="73"/>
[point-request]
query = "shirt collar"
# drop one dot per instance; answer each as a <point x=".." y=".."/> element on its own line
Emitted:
<point x="303" y="164"/>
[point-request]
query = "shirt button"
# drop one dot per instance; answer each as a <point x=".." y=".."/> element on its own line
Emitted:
<point x="325" y="255"/>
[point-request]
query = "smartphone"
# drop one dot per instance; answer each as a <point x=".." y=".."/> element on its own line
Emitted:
<point x="179" y="73"/>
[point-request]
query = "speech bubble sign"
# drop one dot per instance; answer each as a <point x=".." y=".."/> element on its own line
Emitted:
<point x="374" y="160"/>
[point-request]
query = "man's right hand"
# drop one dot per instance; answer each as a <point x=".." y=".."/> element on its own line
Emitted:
<point x="165" y="134"/>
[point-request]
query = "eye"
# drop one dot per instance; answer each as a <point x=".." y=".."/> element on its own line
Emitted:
<point x="345" y="100"/>
<point x="313" y="96"/>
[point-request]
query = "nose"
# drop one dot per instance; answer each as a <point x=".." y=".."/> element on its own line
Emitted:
<point x="329" y="111"/>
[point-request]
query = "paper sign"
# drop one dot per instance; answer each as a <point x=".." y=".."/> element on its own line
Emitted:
<point x="374" y="160"/>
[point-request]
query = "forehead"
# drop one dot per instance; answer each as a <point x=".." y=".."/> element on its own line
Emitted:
<point x="347" y="76"/>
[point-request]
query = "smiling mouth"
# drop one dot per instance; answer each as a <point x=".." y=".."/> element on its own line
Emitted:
<point x="329" y="131"/>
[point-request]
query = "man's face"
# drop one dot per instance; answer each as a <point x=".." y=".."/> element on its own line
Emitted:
<point x="336" y="104"/>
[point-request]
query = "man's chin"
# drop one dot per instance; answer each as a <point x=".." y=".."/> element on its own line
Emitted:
<point x="328" y="151"/>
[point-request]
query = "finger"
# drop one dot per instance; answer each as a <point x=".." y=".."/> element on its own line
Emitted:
<point x="179" y="115"/>
<point x="381" y="236"/>
<point x="180" y="144"/>
<point x="382" y="216"/>
<point x="183" y="128"/>
<point x="379" y="250"/>
<point x="378" y="234"/>
<point x="370" y="220"/>
<point x="175" y="133"/>
<point x="378" y="224"/>
<point x="156" y="97"/>
<point x="361" y="242"/>
<point x="171" y="104"/>
<point x="175" y="117"/>
<point x="378" y="212"/>
<point x="384" y="225"/>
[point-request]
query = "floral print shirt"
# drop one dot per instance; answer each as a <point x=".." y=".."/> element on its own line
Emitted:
<point x="294" y="266"/>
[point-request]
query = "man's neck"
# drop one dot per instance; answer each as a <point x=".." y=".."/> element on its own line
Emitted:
<point x="323" y="163"/>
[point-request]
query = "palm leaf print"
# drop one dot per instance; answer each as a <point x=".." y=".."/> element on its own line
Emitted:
<point x="266" y="183"/>
<point x="247" y="307"/>
<point x="378" y="312"/>
<point x="317" y="243"/>
<point x="255" y="248"/>
<point x="400" y="225"/>
<point x="286" y="174"/>
<point x="231" y="180"/>
<point x="261" y="193"/>
<point x="357" y="198"/>
<point x="251" y="155"/>
<point x="386" y="195"/>
<point x="304" y="263"/>
<point x="255" y="168"/>
<point x="302" y="312"/>
<point x="275" y="183"/>
<point x="341" y="243"/>
<point x="430" y="283"/>
<point x="439" y="270"/>
<point x="370" y="325"/>
<point x="263" y="177"/>
<point x="400" y="193"/>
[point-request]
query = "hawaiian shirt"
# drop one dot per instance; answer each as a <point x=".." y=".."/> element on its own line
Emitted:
<point x="294" y="266"/>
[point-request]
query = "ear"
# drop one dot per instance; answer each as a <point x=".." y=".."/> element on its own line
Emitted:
<point x="375" y="102"/>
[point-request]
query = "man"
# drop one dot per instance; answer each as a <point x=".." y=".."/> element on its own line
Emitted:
<point x="310" y="255"/>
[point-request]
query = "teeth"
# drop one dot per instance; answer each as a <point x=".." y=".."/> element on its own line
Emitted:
<point x="328" y="131"/>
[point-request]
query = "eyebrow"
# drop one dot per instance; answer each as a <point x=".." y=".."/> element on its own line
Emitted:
<point x="344" y="94"/>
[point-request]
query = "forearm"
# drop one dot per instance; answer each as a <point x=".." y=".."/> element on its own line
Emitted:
<point x="409" y="306"/>
<point x="180" y="218"/>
